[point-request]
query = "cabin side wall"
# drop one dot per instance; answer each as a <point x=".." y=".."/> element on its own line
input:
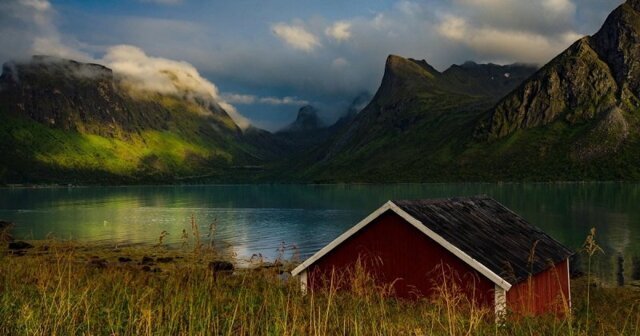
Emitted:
<point x="394" y="252"/>
<point x="546" y="292"/>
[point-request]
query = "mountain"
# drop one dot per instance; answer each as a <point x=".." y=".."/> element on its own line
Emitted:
<point x="308" y="131"/>
<point x="357" y="104"/>
<point x="578" y="117"/>
<point x="575" y="118"/>
<point x="417" y="113"/>
<point x="65" y="121"/>
<point x="307" y="120"/>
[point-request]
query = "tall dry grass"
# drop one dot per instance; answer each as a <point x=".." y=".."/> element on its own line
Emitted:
<point x="61" y="290"/>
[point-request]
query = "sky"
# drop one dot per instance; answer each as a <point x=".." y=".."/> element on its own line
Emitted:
<point x="264" y="59"/>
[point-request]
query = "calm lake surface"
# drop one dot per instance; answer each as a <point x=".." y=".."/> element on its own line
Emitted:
<point x="257" y="219"/>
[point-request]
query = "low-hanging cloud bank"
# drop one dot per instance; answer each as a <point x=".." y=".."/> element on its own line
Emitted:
<point x="244" y="99"/>
<point x="40" y="36"/>
<point x="166" y="76"/>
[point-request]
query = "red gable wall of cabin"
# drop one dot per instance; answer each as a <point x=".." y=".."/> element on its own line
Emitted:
<point x="397" y="253"/>
<point x="548" y="291"/>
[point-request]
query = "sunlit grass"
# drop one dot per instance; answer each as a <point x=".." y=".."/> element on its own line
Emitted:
<point x="61" y="289"/>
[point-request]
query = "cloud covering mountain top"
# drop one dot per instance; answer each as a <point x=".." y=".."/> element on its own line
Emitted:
<point x="324" y="53"/>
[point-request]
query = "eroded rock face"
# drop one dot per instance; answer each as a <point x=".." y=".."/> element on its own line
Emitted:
<point x="596" y="75"/>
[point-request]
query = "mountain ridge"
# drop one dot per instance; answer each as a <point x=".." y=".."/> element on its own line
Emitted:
<point x="64" y="120"/>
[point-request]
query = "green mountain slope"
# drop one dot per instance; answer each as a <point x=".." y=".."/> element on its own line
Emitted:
<point x="577" y="118"/>
<point x="416" y="122"/>
<point x="64" y="121"/>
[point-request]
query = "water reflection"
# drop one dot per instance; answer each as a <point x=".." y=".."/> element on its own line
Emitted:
<point x="258" y="218"/>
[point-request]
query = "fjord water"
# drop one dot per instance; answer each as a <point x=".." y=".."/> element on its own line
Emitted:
<point x="258" y="219"/>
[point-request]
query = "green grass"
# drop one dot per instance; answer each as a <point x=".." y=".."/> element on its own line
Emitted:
<point x="60" y="290"/>
<point x="38" y="151"/>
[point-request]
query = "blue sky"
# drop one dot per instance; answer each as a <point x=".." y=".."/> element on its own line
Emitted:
<point x="267" y="58"/>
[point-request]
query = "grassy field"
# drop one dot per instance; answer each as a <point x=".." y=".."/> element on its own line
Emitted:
<point x="63" y="288"/>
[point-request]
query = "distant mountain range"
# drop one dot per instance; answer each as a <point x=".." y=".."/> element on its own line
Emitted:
<point x="576" y="118"/>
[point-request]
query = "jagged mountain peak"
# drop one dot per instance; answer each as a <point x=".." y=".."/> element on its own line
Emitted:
<point x="306" y="120"/>
<point x="397" y="65"/>
<point x="582" y="84"/>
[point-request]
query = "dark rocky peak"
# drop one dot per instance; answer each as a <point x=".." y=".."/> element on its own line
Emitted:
<point x="398" y="66"/>
<point x="472" y="65"/>
<point x="618" y="44"/>
<point x="595" y="76"/>
<point x="490" y="80"/>
<point x="306" y="120"/>
<point x="426" y="66"/>
<point x="48" y="68"/>
<point x="403" y="75"/>
<point x="491" y="69"/>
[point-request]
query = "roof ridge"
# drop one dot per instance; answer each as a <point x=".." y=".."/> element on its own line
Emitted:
<point x="445" y="199"/>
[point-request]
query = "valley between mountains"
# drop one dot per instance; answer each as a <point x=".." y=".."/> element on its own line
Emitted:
<point x="575" y="118"/>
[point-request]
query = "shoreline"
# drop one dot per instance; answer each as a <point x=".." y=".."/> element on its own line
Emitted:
<point x="168" y="185"/>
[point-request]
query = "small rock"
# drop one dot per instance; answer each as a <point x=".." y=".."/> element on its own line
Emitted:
<point x="146" y="268"/>
<point x="164" y="259"/>
<point x="221" y="266"/>
<point x="99" y="263"/>
<point x="124" y="259"/>
<point x="19" y="253"/>
<point x="19" y="245"/>
<point x="147" y="260"/>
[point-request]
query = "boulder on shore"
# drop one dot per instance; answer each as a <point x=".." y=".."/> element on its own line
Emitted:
<point x="19" y="245"/>
<point x="220" y="266"/>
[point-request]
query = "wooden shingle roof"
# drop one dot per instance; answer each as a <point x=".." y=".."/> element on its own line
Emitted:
<point x="488" y="232"/>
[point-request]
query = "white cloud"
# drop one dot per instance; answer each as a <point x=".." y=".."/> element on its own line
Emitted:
<point x="340" y="31"/>
<point x="27" y="27"/>
<point x="490" y="42"/>
<point x="283" y="101"/>
<point x="39" y="5"/>
<point x="563" y="7"/>
<point x="454" y="28"/>
<point x="541" y="16"/>
<point x="296" y="36"/>
<point x="441" y="31"/>
<point x="235" y="98"/>
<point x="244" y="99"/>
<point x="339" y="62"/>
<point x="162" y="75"/>
<point x="52" y="46"/>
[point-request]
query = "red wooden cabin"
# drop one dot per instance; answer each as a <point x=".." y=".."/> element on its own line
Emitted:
<point x="495" y="257"/>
